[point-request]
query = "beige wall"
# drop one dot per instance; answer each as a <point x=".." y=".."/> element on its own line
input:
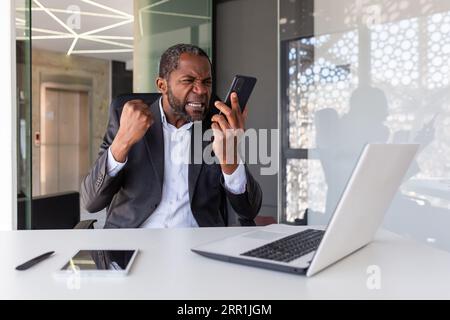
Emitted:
<point x="48" y="64"/>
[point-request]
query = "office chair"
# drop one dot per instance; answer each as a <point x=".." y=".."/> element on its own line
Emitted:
<point x="53" y="211"/>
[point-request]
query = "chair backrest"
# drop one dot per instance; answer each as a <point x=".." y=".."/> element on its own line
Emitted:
<point x="148" y="98"/>
<point x="51" y="211"/>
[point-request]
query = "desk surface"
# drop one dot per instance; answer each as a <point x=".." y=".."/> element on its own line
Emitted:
<point x="166" y="269"/>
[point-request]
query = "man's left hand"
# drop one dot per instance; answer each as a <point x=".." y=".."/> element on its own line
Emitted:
<point x="228" y="128"/>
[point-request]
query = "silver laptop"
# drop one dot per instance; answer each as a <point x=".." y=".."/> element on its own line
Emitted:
<point x="306" y="249"/>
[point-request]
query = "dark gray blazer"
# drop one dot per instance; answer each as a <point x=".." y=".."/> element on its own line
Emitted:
<point x="134" y="194"/>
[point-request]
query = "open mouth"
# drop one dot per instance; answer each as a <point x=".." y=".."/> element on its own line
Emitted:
<point x="195" y="106"/>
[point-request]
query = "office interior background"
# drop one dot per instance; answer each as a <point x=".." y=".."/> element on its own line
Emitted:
<point x="332" y="76"/>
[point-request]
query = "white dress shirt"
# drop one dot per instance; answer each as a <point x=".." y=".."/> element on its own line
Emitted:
<point x="175" y="209"/>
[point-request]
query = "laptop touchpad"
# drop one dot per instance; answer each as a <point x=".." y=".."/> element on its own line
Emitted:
<point x="264" y="235"/>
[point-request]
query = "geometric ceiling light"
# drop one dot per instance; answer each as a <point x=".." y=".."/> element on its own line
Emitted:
<point x="92" y="35"/>
<point x="120" y="44"/>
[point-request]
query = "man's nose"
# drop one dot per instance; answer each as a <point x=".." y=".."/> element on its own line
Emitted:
<point x="200" y="88"/>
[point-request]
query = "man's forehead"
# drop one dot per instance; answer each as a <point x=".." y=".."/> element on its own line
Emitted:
<point x="194" y="65"/>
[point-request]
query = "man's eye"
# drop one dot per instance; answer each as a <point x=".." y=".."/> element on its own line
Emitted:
<point x="208" y="83"/>
<point x="187" y="81"/>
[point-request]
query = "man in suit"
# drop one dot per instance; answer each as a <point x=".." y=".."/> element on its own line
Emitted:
<point x="145" y="174"/>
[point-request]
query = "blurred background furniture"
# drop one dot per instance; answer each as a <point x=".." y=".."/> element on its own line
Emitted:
<point x="53" y="211"/>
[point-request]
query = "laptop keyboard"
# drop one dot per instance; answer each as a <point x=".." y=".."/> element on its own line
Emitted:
<point x="289" y="248"/>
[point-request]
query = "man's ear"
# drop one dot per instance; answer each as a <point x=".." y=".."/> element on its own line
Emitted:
<point x="161" y="84"/>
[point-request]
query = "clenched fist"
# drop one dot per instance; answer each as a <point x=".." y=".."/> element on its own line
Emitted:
<point x="135" y="120"/>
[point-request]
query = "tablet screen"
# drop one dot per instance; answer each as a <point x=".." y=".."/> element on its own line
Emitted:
<point x="96" y="260"/>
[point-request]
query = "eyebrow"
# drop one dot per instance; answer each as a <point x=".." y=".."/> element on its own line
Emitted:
<point x="193" y="77"/>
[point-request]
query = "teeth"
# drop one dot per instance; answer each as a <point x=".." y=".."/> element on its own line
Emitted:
<point x="197" y="105"/>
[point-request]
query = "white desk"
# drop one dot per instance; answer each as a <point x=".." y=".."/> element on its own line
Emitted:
<point x="167" y="269"/>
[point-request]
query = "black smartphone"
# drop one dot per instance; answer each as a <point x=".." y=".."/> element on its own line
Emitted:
<point x="243" y="86"/>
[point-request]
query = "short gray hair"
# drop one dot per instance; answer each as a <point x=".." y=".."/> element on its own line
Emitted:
<point x="171" y="57"/>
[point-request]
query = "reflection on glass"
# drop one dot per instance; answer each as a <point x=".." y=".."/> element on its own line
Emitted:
<point x="394" y="53"/>
<point x="317" y="83"/>
<point x="306" y="188"/>
<point x="377" y="71"/>
<point x="90" y="260"/>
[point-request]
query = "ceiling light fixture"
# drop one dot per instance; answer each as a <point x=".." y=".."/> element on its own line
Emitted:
<point x="83" y="13"/>
<point x="55" y="17"/>
<point x="107" y="27"/>
<point x="47" y="37"/>
<point x="45" y="31"/>
<point x="113" y="37"/>
<point x="91" y="35"/>
<point x="74" y="42"/>
<point x="124" y="14"/>
<point x="103" y="51"/>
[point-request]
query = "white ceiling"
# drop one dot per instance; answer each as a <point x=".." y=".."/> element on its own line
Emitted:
<point x="103" y="29"/>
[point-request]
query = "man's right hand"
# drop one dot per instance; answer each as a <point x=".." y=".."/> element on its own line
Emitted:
<point x="135" y="120"/>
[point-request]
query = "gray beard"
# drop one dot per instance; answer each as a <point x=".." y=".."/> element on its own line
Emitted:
<point x="178" y="107"/>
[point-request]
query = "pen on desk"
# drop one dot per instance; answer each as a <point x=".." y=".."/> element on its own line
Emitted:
<point x="34" y="261"/>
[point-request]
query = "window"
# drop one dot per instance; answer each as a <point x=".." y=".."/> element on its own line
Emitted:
<point x="361" y="73"/>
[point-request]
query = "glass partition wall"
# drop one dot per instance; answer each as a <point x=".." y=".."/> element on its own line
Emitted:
<point x="83" y="54"/>
<point x="161" y="24"/>
<point x="23" y="103"/>
<point x="355" y="72"/>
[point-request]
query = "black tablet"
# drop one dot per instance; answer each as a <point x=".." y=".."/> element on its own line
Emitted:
<point x="99" y="262"/>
